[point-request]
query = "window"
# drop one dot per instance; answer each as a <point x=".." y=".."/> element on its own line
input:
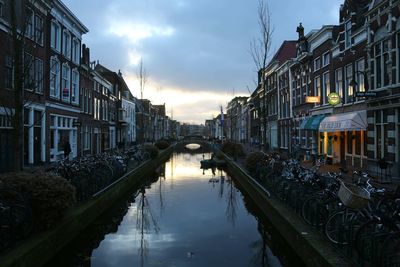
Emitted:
<point x="39" y="75"/>
<point x="66" y="44"/>
<point x="65" y="83"/>
<point x="55" y="36"/>
<point x="90" y="103"/>
<point x="75" y="51"/>
<point x="326" y="59"/>
<point x="339" y="82"/>
<point x="381" y="137"/>
<point x="381" y="64"/>
<point x="348" y="88"/>
<point x="326" y="90"/>
<point x="317" y="63"/>
<point x="8" y="72"/>
<point x="5" y="121"/>
<point x="86" y="137"/>
<point x="1" y="9"/>
<point x="317" y="86"/>
<point x="347" y="34"/>
<point x="28" y="72"/>
<point x="54" y="78"/>
<point x="75" y="87"/>
<point x="360" y="77"/>
<point x="29" y="24"/>
<point x="39" y="30"/>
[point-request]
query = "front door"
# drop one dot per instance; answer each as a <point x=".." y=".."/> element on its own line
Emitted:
<point x="37" y="133"/>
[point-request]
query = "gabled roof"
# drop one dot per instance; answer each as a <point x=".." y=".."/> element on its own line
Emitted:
<point x="286" y="51"/>
<point x="102" y="69"/>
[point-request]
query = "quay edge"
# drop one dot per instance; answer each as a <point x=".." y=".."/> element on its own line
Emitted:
<point x="309" y="244"/>
<point x="41" y="247"/>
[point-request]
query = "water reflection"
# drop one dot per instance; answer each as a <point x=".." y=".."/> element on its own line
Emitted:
<point x="180" y="218"/>
<point x="145" y="223"/>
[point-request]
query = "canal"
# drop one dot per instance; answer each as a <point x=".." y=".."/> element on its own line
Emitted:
<point x="181" y="216"/>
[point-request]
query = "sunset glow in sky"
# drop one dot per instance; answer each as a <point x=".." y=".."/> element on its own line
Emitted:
<point x="196" y="52"/>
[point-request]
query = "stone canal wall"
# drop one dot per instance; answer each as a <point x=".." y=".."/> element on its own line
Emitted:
<point x="37" y="250"/>
<point x="309" y="244"/>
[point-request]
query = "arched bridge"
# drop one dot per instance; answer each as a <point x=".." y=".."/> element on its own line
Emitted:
<point x="204" y="145"/>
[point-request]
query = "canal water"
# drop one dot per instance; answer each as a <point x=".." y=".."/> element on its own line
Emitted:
<point x="183" y="216"/>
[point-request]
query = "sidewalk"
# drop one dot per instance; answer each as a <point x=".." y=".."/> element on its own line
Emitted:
<point x="376" y="181"/>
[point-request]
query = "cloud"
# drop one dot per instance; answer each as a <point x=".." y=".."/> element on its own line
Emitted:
<point x="191" y="47"/>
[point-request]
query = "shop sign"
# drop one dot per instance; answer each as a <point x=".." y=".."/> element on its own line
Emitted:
<point x="365" y="94"/>
<point x="313" y="99"/>
<point x="334" y="99"/>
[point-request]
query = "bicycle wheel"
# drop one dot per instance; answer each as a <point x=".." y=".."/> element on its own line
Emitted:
<point x="390" y="255"/>
<point x="341" y="225"/>
<point x="312" y="211"/>
<point x="368" y="240"/>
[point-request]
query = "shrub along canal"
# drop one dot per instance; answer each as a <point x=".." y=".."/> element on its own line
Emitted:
<point x="183" y="216"/>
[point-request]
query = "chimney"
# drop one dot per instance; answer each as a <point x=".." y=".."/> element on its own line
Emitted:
<point x="88" y="54"/>
<point x="84" y="54"/>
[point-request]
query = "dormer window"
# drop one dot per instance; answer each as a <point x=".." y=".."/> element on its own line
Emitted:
<point x="347" y="34"/>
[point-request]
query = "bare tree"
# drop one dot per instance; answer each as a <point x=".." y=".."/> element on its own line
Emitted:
<point x="21" y="73"/>
<point x="260" y="50"/>
<point x="260" y="47"/>
<point x="142" y="77"/>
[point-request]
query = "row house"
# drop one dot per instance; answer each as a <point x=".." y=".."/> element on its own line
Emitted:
<point x="143" y="119"/>
<point x="62" y="102"/>
<point x="89" y="127"/>
<point x="31" y="27"/>
<point x="339" y="66"/>
<point x="284" y="118"/>
<point x="236" y="131"/>
<point x="300" y="72"/>
<point x="383" y="106"/>
<point x="254" y="118"/>
<point x="216" y="128"/>
<point x="271" y="93"/>
<point x="62" y="94"/>
<point x="334" y="92"/>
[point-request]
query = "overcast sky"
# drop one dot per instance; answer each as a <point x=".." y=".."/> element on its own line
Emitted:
<point x="196" y="52"/>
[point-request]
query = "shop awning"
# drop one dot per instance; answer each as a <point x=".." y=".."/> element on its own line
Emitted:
<point x="312" y="123"/>
<point x="354" y="121"/>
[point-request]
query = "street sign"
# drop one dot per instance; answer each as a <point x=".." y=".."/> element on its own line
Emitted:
<point x="365" y="94"/>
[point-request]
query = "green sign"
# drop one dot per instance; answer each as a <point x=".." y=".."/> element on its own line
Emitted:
<point x="334" y="99"/>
